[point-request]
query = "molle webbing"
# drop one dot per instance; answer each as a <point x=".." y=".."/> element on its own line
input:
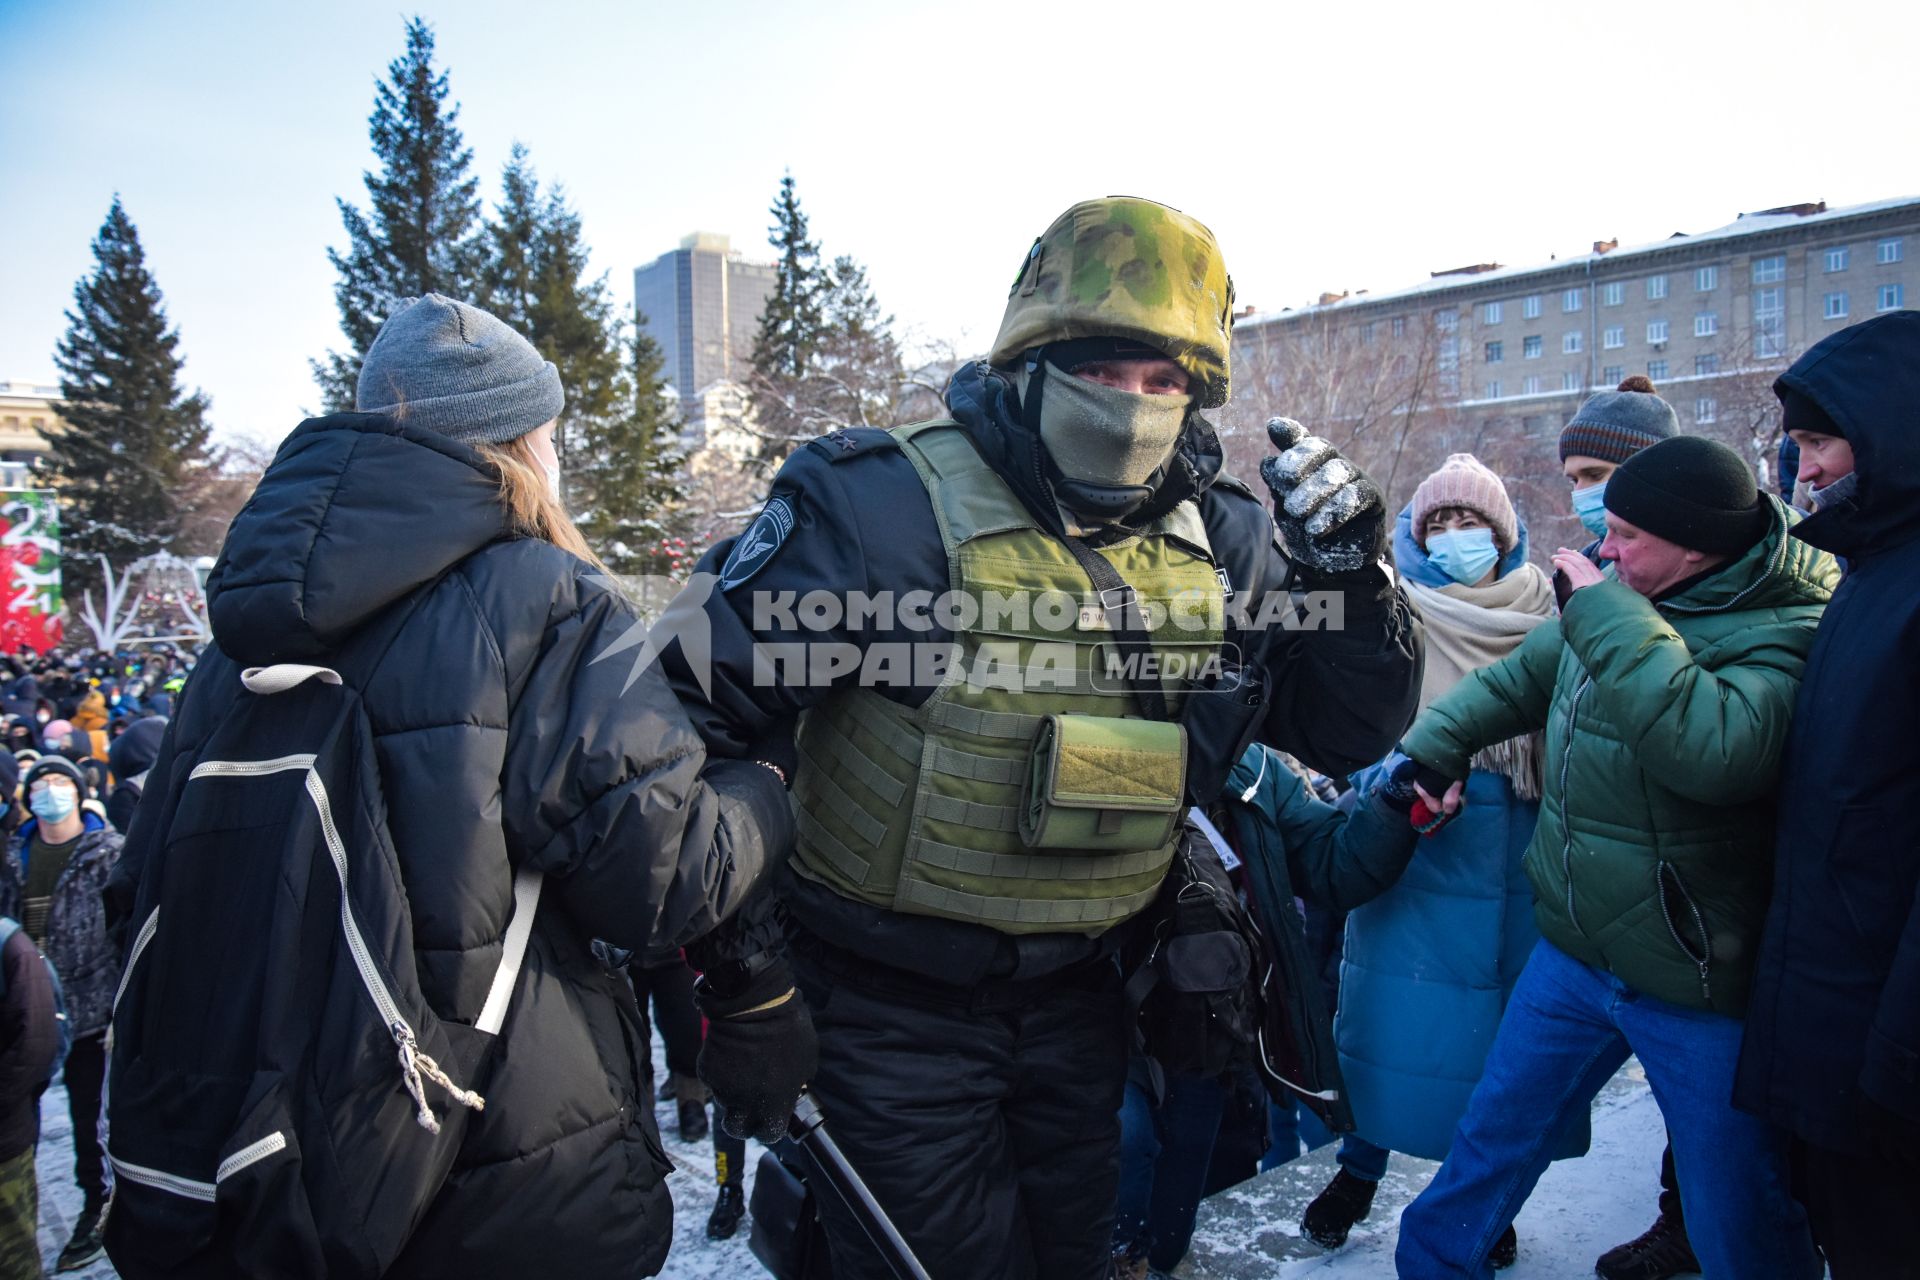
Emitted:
<point x="917" y="810"/>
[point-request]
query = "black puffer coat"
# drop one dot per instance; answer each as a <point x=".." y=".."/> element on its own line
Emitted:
<point x="503" y="743"/>
<point x="1835" y="1011"/>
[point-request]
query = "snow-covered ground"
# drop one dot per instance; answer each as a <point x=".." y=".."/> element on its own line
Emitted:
<point x="1249" y="1232"/>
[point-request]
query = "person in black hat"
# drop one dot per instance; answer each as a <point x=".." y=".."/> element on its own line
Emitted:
<point x="1677" y="511"/>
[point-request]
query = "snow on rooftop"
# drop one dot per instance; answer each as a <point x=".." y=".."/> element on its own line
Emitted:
<point x="1746" y="224"/>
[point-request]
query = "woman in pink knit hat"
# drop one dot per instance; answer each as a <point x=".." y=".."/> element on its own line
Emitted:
<point x="1427" y="965"/>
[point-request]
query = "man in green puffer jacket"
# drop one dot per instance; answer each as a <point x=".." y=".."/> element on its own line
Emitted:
<point x="1665" y="691"/>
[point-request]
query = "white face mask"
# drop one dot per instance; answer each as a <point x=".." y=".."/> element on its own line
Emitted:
<point x="553" y="481"/>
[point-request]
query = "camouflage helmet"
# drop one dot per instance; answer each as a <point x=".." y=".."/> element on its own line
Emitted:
<point x="1127" y="268"/>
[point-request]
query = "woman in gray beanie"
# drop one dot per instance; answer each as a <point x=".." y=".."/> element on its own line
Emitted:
<point x="419" y="548"/>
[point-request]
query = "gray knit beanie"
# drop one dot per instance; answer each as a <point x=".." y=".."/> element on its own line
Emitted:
<point x="1614" y="425"/>
<point x="454" y="369"/>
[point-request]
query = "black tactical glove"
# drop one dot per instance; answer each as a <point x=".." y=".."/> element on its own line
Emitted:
<point x="760" y="1049"/>
<point x="776" y="750"/>
<point x="1331" y="517"/>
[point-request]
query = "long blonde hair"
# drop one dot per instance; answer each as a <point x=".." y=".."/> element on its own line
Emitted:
<point x="531" y="508"/>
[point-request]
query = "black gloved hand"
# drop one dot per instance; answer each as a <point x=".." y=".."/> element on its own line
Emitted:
<point x="1398" y="792"/>
<point x="760" y="1051"/>
<point x="1331" y="517"/>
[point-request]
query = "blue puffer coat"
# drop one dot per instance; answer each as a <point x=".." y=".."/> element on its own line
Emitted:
<point x="1429" y="964"/>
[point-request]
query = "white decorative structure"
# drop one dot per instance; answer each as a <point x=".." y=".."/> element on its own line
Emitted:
<point x="157" y="600"/>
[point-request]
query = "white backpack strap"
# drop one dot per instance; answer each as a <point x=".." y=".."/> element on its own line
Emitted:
<point x="513" y="951"/>
<point x="283" y="676"/>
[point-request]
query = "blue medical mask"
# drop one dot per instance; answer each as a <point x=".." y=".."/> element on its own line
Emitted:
<point x="1464" y="555"/>
<point x="53" y="804"/>
<point x="1590" y="504"/>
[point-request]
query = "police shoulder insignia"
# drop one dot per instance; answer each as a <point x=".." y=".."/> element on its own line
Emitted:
<point x="756" y="546"/>
<point x="851" y="442"/>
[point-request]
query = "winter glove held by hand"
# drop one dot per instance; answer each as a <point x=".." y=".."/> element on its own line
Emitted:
<point x="1331" y="517"/>
<point x="759" y="1053"/>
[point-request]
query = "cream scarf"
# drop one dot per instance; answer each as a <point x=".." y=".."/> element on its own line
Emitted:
<point x="1473" y="627"/>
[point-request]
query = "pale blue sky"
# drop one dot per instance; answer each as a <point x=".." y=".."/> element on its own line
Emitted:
<point x="1329" y="146"/>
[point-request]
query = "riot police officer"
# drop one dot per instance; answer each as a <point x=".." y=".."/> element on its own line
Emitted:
<point x="992" y="628"/>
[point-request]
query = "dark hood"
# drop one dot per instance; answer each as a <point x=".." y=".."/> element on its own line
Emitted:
<point x="1867" y="379"/>
<point x="983" y="400"/>
<point x="356" y="511"/>
<point x="134" y="751"/>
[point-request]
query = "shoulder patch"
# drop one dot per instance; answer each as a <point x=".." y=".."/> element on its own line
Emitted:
<point x="839" y="446"/>
<point x="756" y="546"/>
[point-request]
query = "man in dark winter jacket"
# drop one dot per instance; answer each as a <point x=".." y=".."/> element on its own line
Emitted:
<point x="1833" y="1036"/>
<point x="53" y="880"/>
<point x="972" y="1048"/>
<point x="130" y="756"/>
<point x="27" y="1041"/>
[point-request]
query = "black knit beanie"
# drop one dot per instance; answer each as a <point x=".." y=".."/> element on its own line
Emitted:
<point x="1691" y="491"/>
<point x="1798" y="412"/>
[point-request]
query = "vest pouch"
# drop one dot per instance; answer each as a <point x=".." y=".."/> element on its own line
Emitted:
<point x="1102" y="784"/>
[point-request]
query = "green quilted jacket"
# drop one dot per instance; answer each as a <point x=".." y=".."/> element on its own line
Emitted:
<point x="1653" y="858"/>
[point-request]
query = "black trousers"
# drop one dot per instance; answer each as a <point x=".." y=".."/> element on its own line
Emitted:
<point x="85" y="1073"/>
<point x="984" y="1120"/>
<point x="665" y="994"/>
<point x="1865" y="1213"/>
<point x="1670" y="1190"/>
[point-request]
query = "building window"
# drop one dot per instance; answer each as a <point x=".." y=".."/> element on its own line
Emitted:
<point x="1769" y="324"/>
<point x="1656" y="288"/>
<point x="1613" y="337"/>
<point x="1569" y="382"/>
<point x="1704" y="365"/>
<point x="1706" y="324"/>
<point x="1837" y="260"/>
<point x="1892" y="297"/>
<point x="1496" y="352"/>
<point x="1656" y="331"/>
<point x="1366" y="332"/>
<point x="1399" y="326"/>
<point x="1490" y="314"/>
<point x="1530" y="346"/>
<point x="1891" y="251"/>
<point x="1705" y="410"/>
<point x="1573" y="299"/>
<point x="1447" y="319"/>
<point x="1611" y="295"/>
<point x="1530" y="385"/>
<point x="1493" y="391"/>
<point x="1706" y="279"/>
<point x="1530" y="307"/>
<point x="1570" y="343"/>
<point x="1836" y="306"/>
<point x="1770" y="270"/>
<point x="1613" y="375"/>
<point x="1657" y="370"/>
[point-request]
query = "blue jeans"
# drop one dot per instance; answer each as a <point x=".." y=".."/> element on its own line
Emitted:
<point x="1567" y="1029"/>
<point x="1164" y="1153"/>
<point x="1289" y="1126"/>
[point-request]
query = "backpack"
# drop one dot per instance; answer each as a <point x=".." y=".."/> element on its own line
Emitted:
<point x="1196" y="988"/>
<point x="62" y="1025"/>
<point x="283" y="1101"/>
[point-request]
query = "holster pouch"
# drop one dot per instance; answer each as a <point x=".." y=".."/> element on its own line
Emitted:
<point x="1104" y="784"/>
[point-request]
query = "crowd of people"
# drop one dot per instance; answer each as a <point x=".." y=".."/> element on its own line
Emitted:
<point x="1057" y="952"/>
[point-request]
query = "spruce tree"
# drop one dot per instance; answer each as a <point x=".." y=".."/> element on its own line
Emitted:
<point x="628" y="472"/>
<point x="860" y="366"/>
<point x="534" y="278"/>
<point x="132" y="436"/>
<point x="788" y="341"/>
<point x="418" y="232"/>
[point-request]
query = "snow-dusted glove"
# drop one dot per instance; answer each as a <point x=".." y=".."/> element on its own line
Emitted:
<point x="1331" y="516"/>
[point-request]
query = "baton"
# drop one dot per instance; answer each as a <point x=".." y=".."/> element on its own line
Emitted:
<point x="808" y="1127"/>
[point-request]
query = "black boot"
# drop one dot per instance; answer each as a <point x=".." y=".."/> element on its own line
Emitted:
<point x="728" y="1208"/>
<point x="668" y="1090"/>
<point x="1505" y="1250"/>
<point x="84" y="1245"/>
<point x="1661" y="1252"/>
<point x="1346" y="1200"/>
<point x="693" y="1120"/>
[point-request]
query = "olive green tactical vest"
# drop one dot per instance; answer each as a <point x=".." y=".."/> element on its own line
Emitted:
<point x="917" y="809"/>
